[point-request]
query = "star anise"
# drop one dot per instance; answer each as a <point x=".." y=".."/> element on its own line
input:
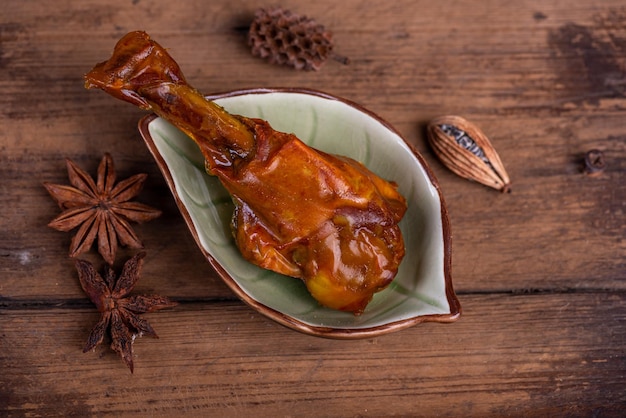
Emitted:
<point x="119" y="312"/>
<point x="101" y="209"/>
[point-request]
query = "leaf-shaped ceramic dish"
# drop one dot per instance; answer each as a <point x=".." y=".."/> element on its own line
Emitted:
<point x="422" y="290"/>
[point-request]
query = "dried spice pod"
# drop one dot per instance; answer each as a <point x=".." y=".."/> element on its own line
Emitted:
<point x="100" y="209"/>
<point x="594" y="162"/>
<point x="119" y="312"/>
<point x="285" y="38"/>
<point x="467" y="151"/>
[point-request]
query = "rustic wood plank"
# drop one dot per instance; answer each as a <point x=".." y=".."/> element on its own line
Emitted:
<point x="422" y="68"/>
<point x="541" y="271"/>
<point x="549" y="354"/>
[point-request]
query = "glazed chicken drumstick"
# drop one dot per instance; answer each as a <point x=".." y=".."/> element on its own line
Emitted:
<point x="323" y="218"/>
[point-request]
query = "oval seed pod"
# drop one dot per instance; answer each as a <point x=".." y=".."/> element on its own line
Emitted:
<point x="467" y="151"/>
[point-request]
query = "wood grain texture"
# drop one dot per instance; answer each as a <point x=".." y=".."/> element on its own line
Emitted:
<point x="541" y="272"/>
<point x="493" y="362"/>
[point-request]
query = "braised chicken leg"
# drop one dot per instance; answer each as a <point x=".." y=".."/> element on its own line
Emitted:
<point x="323" y="218"/>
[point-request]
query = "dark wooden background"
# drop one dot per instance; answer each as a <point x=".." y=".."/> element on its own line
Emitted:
<point x="540" y="272"/>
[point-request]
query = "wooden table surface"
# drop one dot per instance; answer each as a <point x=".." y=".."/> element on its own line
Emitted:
<point x="540" y="272"/>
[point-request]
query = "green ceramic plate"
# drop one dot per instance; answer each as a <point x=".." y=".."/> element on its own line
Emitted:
<point x="422" y="290"/>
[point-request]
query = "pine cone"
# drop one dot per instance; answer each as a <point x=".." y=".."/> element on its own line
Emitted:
<point x="285" y="38"/>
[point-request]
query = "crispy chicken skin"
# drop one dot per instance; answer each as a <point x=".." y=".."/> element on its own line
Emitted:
<point x="323" y="218"/>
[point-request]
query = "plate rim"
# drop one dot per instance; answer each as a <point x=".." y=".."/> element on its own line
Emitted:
<point x="278" y="316"/>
